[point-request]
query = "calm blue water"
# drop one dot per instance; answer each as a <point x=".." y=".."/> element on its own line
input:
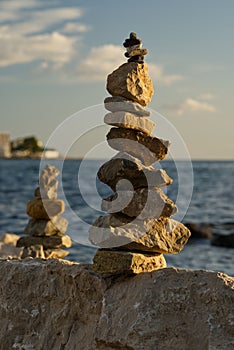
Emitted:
<point x="212" y="202"/>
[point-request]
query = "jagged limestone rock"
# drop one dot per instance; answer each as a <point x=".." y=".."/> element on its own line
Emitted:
<point x="71" y="307"/>
<point x="122" y="262"/>
<point x="164" y="235"/>
<point x="141" y="203"/>
<point x="126" y="172"/>
<point x="132" y="81"/>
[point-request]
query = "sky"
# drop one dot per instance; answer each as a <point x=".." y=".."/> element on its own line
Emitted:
<point x="55" y="57"/>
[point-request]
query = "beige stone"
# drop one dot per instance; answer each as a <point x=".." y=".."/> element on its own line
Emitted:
<point x="71" y="307"/>
<point x="9" y="238"/>
<point x="163" y="235"/>
<point x="129" y="121"/>
<point x="44" y="209"/>
<point x="120" y="262"/>
<point x="47" y="242"/>
<point x="131" y="80"/>
<point x="118" y="103"/>
<point x="142" y="203"/>
<point x="124" y="172"/>
<point x="147" y="148"/>
<point x="55" y="253"/>
<point x="47" y="183"/>
<point x="8" y="246"/>
<point x="42" y="227"/>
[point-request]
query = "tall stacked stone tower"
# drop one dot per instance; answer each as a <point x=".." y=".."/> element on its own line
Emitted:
<point x="137" y="230"/>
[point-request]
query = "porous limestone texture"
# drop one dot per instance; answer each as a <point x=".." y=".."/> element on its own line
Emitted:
<point x="132" y="81"/>
<point x="124" y="172"/>
<point x="120" y="262"/>
<point x="141" y="203"/>
<point x="52" y="304"/>
<point x="163" y="235"/>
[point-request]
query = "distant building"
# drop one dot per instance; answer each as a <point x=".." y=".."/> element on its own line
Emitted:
<point x="51" y="153"/>
<point x="5" y="145"/>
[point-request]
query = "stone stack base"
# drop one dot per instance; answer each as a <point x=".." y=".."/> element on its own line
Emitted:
<point x="118" y="262"/>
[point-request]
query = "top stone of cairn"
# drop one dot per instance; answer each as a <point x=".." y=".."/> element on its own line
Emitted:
<point x="131" y="80"/>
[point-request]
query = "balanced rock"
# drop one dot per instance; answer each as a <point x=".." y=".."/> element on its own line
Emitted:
<point x="129" y="121"/>
<point x="142" y="203"/>
<point x="131" y="80"/>
<point x="55" y="253"/>
<point x="125" y="172"/>
<point x="48" y="184"/>
<point x="42" y="227"/>
<point x="119" y="103"/>
<point x="162" y="235"/>
<point x="47" y="242"/>
<point x="122" y="262"/>
<point x="136" y="52"/>
<point x="147" y="148"/>
<point x="132" y="42"/>
<point x="44" y="209"/>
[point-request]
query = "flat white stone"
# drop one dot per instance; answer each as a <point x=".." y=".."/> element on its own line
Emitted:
<point x="129" y="121"/>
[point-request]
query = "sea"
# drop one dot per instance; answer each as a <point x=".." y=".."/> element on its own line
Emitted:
<point x="202" y="190"/>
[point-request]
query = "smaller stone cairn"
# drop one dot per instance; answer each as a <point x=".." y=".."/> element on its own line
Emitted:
<point x="46" y="228"/>
<point x="138" y="229"/>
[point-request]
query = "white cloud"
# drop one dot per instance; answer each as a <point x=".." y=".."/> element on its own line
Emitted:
<point x="72" y="27"/>
<point x="32" y="37"/>
<point x="100" y="62"/>
<point x="157" y="73"/>
<point x="191" y="105"/>
<point x="54" y="47"/>
<point x="104" y="59"/>
<point x="207" y="96"/>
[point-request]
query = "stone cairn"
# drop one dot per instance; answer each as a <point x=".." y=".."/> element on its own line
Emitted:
<point x="46" y="228"/>
<point x="138" y="229"/>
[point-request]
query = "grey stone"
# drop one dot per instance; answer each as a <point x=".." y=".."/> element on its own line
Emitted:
<point x="142" y="203"/>
<point x="42" y="227"/>
<point x="147" y="148"/>
<point x="163" y="235"/>
<point x="39" y="208"/>
<point x="136" y="52"/>
<point x="125" y="172"/>
<point x="120" y="262"/>
<point x="47" y="242"/>
<point x="130" y="121"/>
<point x="118" y="103"/>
